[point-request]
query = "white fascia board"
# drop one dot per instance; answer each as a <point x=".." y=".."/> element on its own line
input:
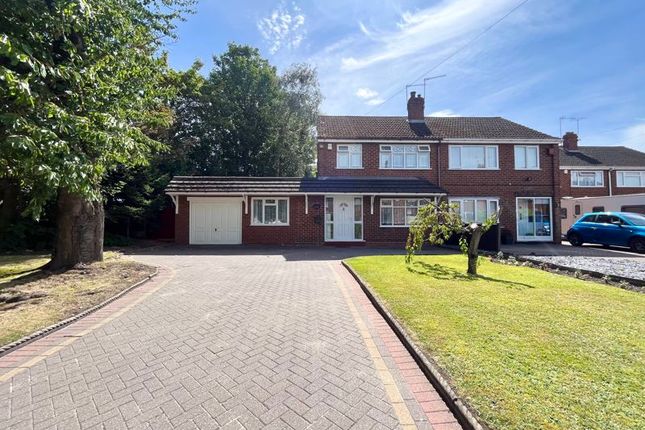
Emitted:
<point x="453" y="141"/>
<point x="260" y="194"/>
<point x="636" y="168"/>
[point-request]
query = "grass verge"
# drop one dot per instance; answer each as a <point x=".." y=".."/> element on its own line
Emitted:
<point x="32" y="299"/>
<point x="526" y="348"/>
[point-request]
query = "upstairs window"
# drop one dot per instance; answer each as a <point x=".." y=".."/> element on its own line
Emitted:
<point x="586" y="178"/>
<point x="270" y="211"/>
<point x="349" y="156"/>
<point x="633" y="178"/>
<point x="473" y="157"/>
<point x="404" y="157"/>
<point x="527" y="157"/>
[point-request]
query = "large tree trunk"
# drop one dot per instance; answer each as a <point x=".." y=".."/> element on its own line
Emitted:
<point x="79" y="231"/>
<point x="473" y="250"/>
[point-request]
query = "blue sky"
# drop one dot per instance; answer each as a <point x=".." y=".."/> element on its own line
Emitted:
<point x="549" y="58"/>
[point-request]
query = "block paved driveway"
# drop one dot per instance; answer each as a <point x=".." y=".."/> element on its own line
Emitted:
<point x="236" y="338"/>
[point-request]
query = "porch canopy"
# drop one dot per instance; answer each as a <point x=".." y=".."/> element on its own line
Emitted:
<point x="258" y="186"/>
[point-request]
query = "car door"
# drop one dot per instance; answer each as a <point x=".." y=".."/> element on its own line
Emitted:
<point x="610" y="230"/>
<point x="585" y="227"/>
<point x="622" y="232"/>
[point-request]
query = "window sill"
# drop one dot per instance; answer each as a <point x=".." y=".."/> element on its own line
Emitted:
<point x="630" y="186"/>
<point x="405" y="168"/>
<point x="268" y="225"/>
<point x="484" y="169"/>
<point x="587" y="186"/>
<point x="532" y="169"/>
<point x="348" y="168"/>
<point x="394" y="226"/>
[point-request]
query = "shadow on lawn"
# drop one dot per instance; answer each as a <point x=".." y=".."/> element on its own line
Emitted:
<point x="438" y="271"/>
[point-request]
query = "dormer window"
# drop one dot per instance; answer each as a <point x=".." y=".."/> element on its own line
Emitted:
<point x="349" y="156"/>
<point x="404" y="157"/>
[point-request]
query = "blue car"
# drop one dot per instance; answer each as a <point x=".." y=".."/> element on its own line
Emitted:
<point x="609" y="228"/>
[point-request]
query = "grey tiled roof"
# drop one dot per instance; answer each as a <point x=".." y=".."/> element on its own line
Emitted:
<point x="398" y="127"/>
<point x="602" y="156"/>
<point x="250" y="185"/>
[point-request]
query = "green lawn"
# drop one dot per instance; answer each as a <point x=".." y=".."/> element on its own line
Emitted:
<point x="528" y="349"/>
<point x="12" y="265"/>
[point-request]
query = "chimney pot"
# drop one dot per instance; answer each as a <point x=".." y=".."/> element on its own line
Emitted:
<point x="416" y="105"/>
<point x="570" y="141"/>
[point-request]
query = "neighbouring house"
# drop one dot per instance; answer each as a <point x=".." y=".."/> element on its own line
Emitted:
<point x="373" y="175"/>
<point x="593" y="171"/>
<point x="598" y="179"/>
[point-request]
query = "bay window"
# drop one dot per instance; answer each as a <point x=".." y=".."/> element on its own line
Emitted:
<point x="630" y="178"/>
<point x="270" y="211"/>
<point x="473" y="209"/>
<point x="527" y="157"/>
<point x="404" y="157"/>
<point x="349" y="156"/>
<point x="586" y="178"/>
<point x="400" y="212"/>
<point x="472" y="157"/>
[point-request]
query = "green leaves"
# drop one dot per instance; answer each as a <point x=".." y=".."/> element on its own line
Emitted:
<point x="80" y="81"/>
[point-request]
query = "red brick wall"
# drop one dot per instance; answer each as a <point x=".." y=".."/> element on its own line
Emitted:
<point x="302" y="229"/>
<point x="566" y="190"/>
<point x="505" y="183"/>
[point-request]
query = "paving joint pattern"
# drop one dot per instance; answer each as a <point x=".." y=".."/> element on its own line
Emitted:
<point x="272" y="340"/>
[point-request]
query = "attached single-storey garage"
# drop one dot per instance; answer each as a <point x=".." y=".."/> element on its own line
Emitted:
<point x="243" y="210"/>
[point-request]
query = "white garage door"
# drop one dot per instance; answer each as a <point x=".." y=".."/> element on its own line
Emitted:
<point x="215" y="221"/>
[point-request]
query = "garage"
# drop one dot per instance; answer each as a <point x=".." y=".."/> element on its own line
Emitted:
<point x="215" y="220"/>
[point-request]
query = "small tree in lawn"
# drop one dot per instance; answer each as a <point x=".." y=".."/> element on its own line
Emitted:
<point x="435" y="223"/>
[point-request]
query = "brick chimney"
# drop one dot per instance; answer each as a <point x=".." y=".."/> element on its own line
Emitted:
<point x="570" y="141"/>
<point x="416" y="104"/>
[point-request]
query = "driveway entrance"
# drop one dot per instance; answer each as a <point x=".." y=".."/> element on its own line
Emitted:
<point x="238" y="338"/>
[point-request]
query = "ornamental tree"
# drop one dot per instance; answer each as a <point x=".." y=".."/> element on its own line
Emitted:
<point x="81" y="81"/>
<point x="435" y="223"/>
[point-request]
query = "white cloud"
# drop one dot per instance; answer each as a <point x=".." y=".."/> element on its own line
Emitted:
<point x="444" y="112"/>
<point x="375" y="101"/>
<point x="634" y="137"/>
<point x="446" y="23"/>
<point x="284" y="28"/>
<point x="366" y="93"/>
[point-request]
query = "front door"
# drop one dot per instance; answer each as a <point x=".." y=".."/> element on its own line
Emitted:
<point x="534" y="219"/>
<point x="343" y="218"/>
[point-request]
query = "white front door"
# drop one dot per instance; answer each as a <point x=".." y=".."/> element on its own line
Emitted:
<point x="343" y="218"/>
<point x="534" y="219"/>
<point x="215" y="221"/>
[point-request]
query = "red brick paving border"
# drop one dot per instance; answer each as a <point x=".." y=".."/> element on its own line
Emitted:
<point x="437" y="412"/>
<point x="29" y="353"/>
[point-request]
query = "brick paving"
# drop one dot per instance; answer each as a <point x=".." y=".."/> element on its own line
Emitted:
<point x="252" y="340"/>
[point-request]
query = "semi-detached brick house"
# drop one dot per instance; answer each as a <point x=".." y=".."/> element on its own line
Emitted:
<point x="595" y="171"/>
<point x="373" y="174"/>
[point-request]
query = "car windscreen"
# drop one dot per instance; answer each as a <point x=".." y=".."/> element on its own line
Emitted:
<point x="635" y="219"/>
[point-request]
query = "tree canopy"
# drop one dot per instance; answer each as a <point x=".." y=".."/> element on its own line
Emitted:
<point x="80" y="82"/>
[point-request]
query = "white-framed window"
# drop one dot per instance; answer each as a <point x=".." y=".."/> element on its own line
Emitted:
<point x="404" y="157"/>
<point x="630" y="178"/>
<point x="473" y="157"/>
<point x="349" y="156"/>
<point x="586" y="178"/>
<point x="475" y="209"/>
<point x="527" y="157"/>
<point x="400" y="212"/>
<point x="270" y="211"/>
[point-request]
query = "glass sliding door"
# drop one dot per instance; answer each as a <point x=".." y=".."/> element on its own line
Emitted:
<point x="534" y="219"/>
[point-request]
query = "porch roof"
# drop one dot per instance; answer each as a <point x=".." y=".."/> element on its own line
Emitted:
<point x="234" y="185"/>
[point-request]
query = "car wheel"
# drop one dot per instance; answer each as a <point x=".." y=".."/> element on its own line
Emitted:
<point x="575" y="239"/>
<point x="637" y="245"/>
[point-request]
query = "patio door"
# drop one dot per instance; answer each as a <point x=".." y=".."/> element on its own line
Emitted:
<point x="534" y="219"/>
<point x="343" y="218"/>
